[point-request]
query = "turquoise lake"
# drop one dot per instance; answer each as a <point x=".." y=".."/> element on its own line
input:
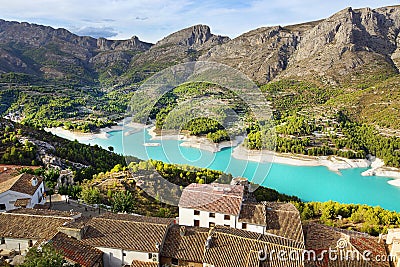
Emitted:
<point x="308" y="183"/>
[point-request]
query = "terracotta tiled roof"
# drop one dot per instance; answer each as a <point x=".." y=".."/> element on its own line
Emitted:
<point x="45" y="213"/>
<point x="29" y="226"/>
<point x="137" y="218"/>
<point x="320" y="237"/>
<point x="22" y="202"/>
<point x="44" y="206"/>
<point x="220" y="198"/>
<point x="129" y="233"/>
<point x="144" y="264"/>
<point x="75" y="251"/>
<point x="282" y="219"/>
<point x="185" y="243"/>
<point x="233" y="247"/>
<point x="21" y="183"/>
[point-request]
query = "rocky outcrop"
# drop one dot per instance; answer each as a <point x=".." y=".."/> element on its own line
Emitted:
<point x="261" y="54"/>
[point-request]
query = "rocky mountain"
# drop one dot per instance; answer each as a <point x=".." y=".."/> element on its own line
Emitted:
<point x="182" y="46"/>
<point x="330" y="50"/>
<point x="57" y="53"/>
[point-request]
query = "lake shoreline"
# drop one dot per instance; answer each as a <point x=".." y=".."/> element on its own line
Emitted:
<point x="333" y="163"/>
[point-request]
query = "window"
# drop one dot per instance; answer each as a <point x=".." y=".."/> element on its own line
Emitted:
<point x="150" y="256"/>
<point x="2" y="241"/>
<point x="196" y="222"/>
<point x="227" y="225"/>
<point x="211" y="224"/>
<point x="30" y="243"/>
<point x="196" y="212"/>
<point x="227" y="217"/>
<point x="244" y="225"/>
<point x="212" y="215"/>
<point x="174" y="261"/>
<point x="2" y="206"/>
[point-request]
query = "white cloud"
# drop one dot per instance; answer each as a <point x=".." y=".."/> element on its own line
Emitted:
<point x="153" y="19"/>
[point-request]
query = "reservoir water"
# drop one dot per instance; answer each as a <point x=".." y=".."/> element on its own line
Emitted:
<point x="308" y="183"/>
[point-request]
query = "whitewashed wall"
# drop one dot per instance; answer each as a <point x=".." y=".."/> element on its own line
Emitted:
<point x="113" y="257"/>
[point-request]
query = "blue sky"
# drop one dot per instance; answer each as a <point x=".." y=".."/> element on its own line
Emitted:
<point x="151" y="20"/>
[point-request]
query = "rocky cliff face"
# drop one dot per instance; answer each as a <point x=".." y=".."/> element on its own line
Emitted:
<point x="326" y="49"/>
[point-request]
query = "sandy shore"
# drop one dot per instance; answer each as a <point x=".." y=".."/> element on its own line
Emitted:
<point x="333" y="163"/>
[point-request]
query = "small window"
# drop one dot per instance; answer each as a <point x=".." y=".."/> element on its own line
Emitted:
<point x="150" y="256"/>
<point x="196" y="222"/>
<point x="2" y="206"/>
<point x="174" y="261"/>
<point x="211" y="224"/>
<point x="227" y="217"/>
<point x="2" y="241"/>
<point x="244" y="225"/>
<point x="212" y="215"/>
<point x="196" y="212"/>
<point x="30" y="243"/>
<point x="227" y="225"/>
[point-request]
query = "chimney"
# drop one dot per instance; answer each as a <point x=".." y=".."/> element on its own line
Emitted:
<point x="34" y="181"/>
<point x="208" y="242"/>
<point x="182" y="231"/>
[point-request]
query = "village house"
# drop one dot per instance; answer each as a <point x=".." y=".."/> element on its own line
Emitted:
<point x="22" y="228"/>
<point x="393" y="242"/>
<point x="280" y="219"/>
<point x="24" y="190"/>
<point x="184" y="246"/>
<point x="124" y="239"/>
<point x="207" y="205"/>
<point x="227" y="247"/>
<point x="362" y="250"/>
<point x="76" y="252"/>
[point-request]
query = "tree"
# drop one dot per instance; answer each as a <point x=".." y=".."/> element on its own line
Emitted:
<point x="90" y="195"/>
<point x="111" y="148"/>
<point x="47" y="256"/>
<point x="122" y="202"/>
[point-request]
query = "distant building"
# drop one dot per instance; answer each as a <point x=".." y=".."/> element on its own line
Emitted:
<point x="24" y="190"/>
<point x="124" y="239"/>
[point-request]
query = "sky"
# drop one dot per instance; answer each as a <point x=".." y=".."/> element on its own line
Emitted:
<point x="151" y="20"/>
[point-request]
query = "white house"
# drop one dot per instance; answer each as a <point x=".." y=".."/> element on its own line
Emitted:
<point x="207" y="205"/>
<point x="25" y="190"/>
<point x="124" y="239"/>
<point x="21" y="228"/>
